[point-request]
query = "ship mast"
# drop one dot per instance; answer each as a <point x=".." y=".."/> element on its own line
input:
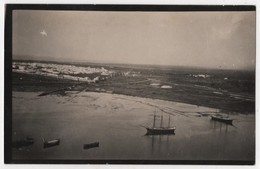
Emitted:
<point x="161" y="121"/>
<point x="169" y="121"/>
<point x="154" y="120"/>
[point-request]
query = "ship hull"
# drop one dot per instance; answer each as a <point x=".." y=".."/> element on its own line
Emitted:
<point x="91" y="145"/>
<point x="221" y="119"/>
<point x="51" y="143"/>
<point x="160" y="131"/>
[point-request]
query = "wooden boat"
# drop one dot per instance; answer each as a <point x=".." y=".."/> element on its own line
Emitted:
<point x="221" y="118"/>
<point x="160" y="130"/>
<point x="90" y="145"/>
<point x="51" y="143"/>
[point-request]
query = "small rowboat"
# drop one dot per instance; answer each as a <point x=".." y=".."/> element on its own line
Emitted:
<point x="51" y="143"/>
<point x="90" y="145"/>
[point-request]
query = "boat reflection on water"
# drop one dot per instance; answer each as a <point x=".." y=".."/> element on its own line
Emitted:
<point x="219" y="126"/>
<point x="160" y="143"/>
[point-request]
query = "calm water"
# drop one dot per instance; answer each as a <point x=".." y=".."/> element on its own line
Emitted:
<point x="114" y="121"/>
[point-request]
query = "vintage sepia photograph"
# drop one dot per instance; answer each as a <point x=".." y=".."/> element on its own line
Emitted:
<point x="130" y="84"/>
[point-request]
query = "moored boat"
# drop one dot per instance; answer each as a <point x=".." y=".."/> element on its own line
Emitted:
<point x="91" y="145"/>
<point x="221" y="118"/>
<point x="160" y="130"/>
<point x="50" y="143"/>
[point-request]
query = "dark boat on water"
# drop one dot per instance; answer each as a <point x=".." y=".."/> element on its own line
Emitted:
<point x="221" y="118"/>
<point x="91" y="145"/>
<point x="160" y="130"/>
<point x="50" y="143"/>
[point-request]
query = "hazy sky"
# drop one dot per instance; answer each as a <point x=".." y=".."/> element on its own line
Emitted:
<point x="204" y="39"/>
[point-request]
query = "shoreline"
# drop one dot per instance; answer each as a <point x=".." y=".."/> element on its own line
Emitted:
<point x="134" y="98"/>
<point x="183" y="94"/>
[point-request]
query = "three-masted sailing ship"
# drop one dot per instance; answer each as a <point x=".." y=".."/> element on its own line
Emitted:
<point x="160" y="130"/>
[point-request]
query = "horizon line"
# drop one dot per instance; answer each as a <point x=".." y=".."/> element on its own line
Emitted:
<point x="99" y="62"/>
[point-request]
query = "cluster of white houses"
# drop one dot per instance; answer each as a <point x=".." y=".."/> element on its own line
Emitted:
<point x="61" y="71"/>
